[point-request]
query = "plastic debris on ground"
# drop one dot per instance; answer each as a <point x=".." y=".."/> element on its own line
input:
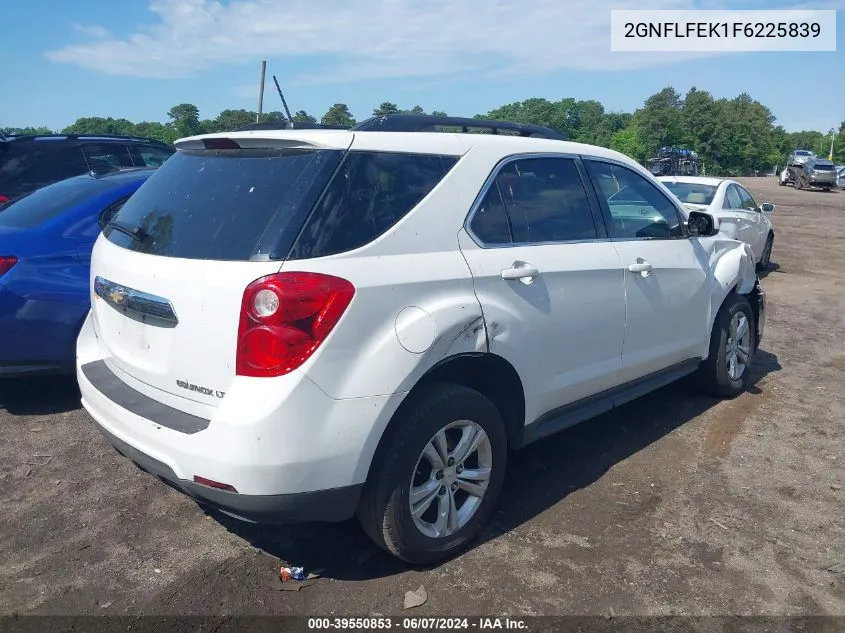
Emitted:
<point x="291" y="573"/>
<point x="295" y="578"/>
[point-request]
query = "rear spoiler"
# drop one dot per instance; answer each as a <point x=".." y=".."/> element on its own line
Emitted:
<point x="255" y="139"/>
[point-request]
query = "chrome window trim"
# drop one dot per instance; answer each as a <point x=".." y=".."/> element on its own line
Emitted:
<point x="491" y="179"/>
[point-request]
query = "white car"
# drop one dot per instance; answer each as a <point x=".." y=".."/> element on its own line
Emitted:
<point x="300" y="325"/>
<point x="739" y="216"/>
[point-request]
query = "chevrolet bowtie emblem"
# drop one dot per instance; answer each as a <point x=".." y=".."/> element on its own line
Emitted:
<point x="117" y="296"/>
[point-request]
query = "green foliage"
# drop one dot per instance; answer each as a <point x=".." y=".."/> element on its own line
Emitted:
<point x="185" y="119"/>
<point x="731" y="136"/>
<point x="25" y="131"/>
<point x="628" y="142"/>
<point x="338" y="114"/>
<point x="386" y="108"/>
<point x="839" y="145"/>
<point x="301" y="116"/>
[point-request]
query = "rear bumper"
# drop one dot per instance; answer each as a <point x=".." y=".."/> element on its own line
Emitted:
<point x="332" y="505"/>
<point x="291" y="452"/>
<point x="822" y="181"/>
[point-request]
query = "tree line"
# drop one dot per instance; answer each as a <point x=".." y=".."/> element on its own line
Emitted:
<point x="731" y="136"/>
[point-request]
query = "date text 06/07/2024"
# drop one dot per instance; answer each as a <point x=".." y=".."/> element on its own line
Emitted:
<point x="418" y="623"/>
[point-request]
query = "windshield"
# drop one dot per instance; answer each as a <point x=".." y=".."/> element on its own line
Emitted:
<point x="229" y="205"/>
<point x="48" y="202"/>
<point x="692" y="193"/>
<point x="803" y="152"/>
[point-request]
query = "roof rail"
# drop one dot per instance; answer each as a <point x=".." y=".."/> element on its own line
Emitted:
<point x="433" y="123"/>
<point x="289" y="125"/>
<point x="76" y="137"/>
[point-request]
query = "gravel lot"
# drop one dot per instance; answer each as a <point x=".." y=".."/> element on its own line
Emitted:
<point x="674" y="504"/>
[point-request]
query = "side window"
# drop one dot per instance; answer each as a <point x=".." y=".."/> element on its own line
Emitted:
<point x="546" y="201"/>
<point x="107" y="156"/>
<point x="370" y="192"/>
<point x="732" y="199"/>
<point x="747" y="202"/>
<point x="490" y="222"/>
<point x="636" y="207"/>
<point x="152" y="156"/>
<point x="38" y="163"/>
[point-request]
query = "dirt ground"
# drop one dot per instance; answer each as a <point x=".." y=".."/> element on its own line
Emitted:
<point x="674" y="504"/>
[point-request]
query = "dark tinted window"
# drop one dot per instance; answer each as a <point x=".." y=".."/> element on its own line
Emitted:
<point x="152" y="156"/>
<point x="107" y="155"/>
<point x="692" y="193"/>
<point x="823" y="166"/>
<point x="637" y="208"/>
<point x="370" y="193"/>
<point x="49" y="202"/>
<point x="546" y="201"/>
<point x="226" y="204"/>
<point x="490" y="221"/>
<point x="27" y="165"/>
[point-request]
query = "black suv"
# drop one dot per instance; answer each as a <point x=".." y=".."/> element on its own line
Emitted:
<point x="30" y="162"/>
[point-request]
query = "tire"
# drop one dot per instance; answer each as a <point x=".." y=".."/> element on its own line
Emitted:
<point x="766" y="257"/>
<point x="714" y="373"/>
<point x="385" y="508"/>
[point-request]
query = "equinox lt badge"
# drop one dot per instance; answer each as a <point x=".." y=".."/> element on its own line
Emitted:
<point x="203" y="390"/>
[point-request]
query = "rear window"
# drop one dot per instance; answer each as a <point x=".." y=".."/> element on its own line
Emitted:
<point x="692" y="193"/>
<point x="823" y="167"/>
<point x="27" y="165"/>
<point x="49" y="202"/>
<point x="370" y="193"/>
<point x="225" y="204"/>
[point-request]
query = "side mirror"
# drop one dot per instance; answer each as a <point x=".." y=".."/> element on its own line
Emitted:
<point x="767" y="207"/>
<point x="702" y="224"/>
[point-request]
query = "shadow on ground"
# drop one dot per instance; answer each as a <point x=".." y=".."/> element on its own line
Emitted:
<point x="772" y="268"/>
<point x="42" y="395"/>
<point x="539" y="477"/>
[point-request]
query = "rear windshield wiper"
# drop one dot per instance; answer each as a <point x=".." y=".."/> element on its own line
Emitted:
<point x="137" y="233"/>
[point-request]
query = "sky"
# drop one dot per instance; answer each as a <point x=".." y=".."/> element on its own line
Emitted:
<point x="135" y="59"/>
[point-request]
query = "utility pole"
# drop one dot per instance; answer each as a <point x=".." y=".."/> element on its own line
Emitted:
<point x="261" y="93"/>
<point x="832" y="132"/>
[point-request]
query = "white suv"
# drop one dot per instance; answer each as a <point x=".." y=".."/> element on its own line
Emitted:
<point x="303" y="325"/>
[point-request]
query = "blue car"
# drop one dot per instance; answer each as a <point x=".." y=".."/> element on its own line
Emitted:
<point x="46" y="238"/>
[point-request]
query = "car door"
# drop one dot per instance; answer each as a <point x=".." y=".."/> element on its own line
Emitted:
<point x="666" y="280"/>
<point x="550" y="284"/>
<point x="756" y="228"/>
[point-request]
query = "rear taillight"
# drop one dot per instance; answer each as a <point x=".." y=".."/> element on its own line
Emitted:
<point x="285" y="317"/>
<point x="6" y="263"/>
<point x="3" y="198"/>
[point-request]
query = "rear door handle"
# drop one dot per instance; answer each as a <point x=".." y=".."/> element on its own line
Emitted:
<point x="521" y="271"/>
<point x="641" y="266"/>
